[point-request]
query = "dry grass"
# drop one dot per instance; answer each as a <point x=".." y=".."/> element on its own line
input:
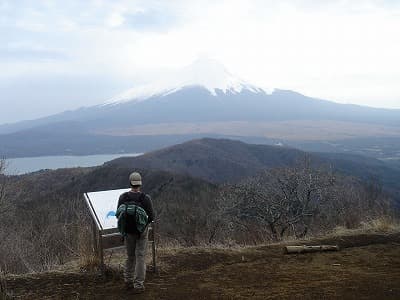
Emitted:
<point x="3" y="287"/>
<point x="89" y="261"/>
<point x="383" y="224"/>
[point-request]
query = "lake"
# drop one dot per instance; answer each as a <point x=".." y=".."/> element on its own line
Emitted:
<point x="17" y="166"/>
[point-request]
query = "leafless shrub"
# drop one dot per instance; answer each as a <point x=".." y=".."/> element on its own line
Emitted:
<point x="5" y="205"/>
<point x="353" y="203"/>
<point x="295" y="201"/>
<point x="43" y="236"/>
<point x="6" y="217"/>
<point x="4" y="295"/>
<point x="284" y="200"/>
<point x="185" y="220"/>
<point x="89" y="261"/>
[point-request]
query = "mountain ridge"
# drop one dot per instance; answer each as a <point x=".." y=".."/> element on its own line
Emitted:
<point x="197" y="104"/>
<point x="224" y="160"/>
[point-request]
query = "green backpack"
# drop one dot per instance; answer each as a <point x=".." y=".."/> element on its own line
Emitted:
<point x="131" y="218"/>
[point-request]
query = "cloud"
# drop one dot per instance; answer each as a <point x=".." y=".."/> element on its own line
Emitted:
<point x="20" y="52"/>
<point x="115" y="20"/>
<point x="341" y="50"/>
<point x="151" y="20"/>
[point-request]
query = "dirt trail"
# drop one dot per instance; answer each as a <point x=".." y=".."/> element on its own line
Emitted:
<point x="367" y="267"/>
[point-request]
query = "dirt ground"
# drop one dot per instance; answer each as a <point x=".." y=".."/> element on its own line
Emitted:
<point x="367" y="267"/>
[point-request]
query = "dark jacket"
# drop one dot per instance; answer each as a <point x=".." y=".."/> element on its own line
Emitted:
<point x="138" y="199"/>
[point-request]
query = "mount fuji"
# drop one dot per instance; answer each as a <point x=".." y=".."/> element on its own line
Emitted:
<point x="202" y="99"/>
<point x="206" y="73"/>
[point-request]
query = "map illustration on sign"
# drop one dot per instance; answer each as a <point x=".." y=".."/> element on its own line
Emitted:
<point x="104" y="204"/>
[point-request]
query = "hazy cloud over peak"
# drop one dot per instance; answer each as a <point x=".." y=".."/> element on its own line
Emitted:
<point x="341" y="50"/>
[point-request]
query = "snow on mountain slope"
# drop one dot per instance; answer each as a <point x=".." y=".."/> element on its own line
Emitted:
<point x="207" y="73"/>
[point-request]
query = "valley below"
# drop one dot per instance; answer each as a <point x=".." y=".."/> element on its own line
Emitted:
<point x="296" y="130"/>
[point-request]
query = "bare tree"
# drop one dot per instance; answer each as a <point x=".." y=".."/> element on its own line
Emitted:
<point x="252" y="202"/>
<point x="282" y="199"/>
<point x="303" y="190"/>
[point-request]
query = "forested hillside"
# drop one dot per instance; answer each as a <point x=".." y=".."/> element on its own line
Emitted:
<point x="204" y="192"/>
<point x="224" y="161"/>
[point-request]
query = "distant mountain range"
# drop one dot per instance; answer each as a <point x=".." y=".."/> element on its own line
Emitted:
<point x="206" y="101"/>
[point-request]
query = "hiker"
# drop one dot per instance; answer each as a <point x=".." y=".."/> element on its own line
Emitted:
<point x="134" y="228"/>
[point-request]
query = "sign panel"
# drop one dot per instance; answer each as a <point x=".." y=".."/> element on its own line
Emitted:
<point x="104" y="205"/>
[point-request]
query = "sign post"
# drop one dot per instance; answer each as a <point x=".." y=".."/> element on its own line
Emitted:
<point x="102" y="206"/>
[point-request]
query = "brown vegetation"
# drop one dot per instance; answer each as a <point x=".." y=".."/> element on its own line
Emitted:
<point x="284" y="200"/>
<point x="48" y="224"/>
<point x="299" y="200"/>
<point x="5" y="204"/>
<point x="3" y="286"/>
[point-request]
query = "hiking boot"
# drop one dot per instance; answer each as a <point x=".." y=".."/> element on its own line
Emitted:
<point x="128" y="285"/>
<point x="138" y="290"/>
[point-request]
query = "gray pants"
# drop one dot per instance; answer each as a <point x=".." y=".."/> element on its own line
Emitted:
<point x="135" y="265"/>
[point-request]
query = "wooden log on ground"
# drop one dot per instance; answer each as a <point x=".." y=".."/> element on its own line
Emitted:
<point x="307" y="249"/>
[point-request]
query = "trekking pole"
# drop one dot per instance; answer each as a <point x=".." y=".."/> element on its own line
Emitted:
<point x="153" y="246"/>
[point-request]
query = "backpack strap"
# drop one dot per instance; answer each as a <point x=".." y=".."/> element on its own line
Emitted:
<point x="142" y="197"/>
<point x="125" y="225"/>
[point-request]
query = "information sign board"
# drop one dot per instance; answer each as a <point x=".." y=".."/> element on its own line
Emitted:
<point x="104" y="204"/>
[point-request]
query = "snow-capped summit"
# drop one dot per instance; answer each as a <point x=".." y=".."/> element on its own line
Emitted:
<point x="204" y="72"/>
<point x="213" y="75"/>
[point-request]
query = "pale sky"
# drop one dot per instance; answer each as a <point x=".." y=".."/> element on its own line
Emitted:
<point x="59" y="55"/>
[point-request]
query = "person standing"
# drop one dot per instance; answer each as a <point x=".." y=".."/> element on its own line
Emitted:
<point x="136" y="242"/>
